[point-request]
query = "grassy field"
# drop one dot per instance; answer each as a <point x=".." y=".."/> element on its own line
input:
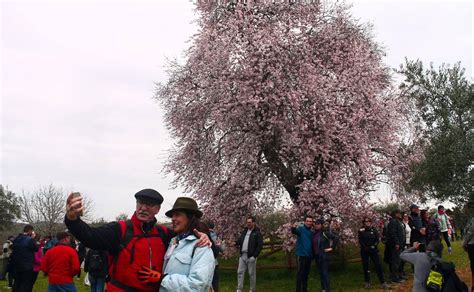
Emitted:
<point x="344" y="279"/>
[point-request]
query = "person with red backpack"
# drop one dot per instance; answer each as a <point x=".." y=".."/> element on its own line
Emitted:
<point x="133" y="244"/>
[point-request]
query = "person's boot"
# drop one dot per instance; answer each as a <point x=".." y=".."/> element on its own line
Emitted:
<point x="384" y="286"/>
<point x="367" y="285"/>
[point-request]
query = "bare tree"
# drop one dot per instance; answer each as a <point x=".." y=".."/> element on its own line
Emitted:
<point x="45" y="209"/>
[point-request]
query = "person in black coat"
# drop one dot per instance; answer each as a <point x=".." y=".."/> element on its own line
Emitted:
<point x="415" y="222"/>
<point x="96" y="264"/>
<point x="394" y="245"/>
<point x="81" y="253"/>
<point x="250" y="243"/>
<point x="324" y="243"/>
<point x="368" y="240"/>
<point x="23" y="259"/>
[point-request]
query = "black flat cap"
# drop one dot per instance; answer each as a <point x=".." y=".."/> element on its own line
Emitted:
<point x="150" y="195"/>
<point x="414" y="206"/>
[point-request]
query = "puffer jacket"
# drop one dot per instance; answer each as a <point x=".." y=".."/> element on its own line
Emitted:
<point x="396" y="233"/>
<point x="187" y="268"/>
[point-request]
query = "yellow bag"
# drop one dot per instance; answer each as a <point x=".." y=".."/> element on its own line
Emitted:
<point x="434" y="281"/>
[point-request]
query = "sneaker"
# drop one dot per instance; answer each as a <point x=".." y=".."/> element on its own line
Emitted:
<point x="384" y="286"/>
<point x="450" y="250"/>
<point x="403" y="277"/>
<point x="367" y="285"/>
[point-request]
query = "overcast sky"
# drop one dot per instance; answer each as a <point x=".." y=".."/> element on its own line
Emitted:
<point x="77" y="83"/>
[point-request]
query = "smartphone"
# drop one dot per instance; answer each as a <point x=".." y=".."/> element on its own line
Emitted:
<point x="422" y="247"/>
<point x="76" y="195"/>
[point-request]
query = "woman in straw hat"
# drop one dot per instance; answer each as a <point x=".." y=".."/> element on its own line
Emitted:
<point x="186" y="268"/>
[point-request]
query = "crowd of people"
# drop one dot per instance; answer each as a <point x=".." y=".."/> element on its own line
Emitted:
<point x="59" y="257"/>
<point x="130" y="255"/>
<point x="413" y="237"/>
<point x="140" y="255"/>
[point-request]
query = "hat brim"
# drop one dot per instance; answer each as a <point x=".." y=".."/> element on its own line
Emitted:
<point x="195" y="212"/>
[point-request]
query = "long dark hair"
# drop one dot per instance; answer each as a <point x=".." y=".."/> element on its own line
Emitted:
<point x="195" y="223"/>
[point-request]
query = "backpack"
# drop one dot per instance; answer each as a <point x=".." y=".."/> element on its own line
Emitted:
<point x="434" y="281"/>
<point x="96" y="262"/>
<point x="443" y="278"/>
<point x="127" y="236"/>
<point x="50" y="244"/>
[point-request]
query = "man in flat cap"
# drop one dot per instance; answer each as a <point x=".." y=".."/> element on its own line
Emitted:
<point x="133" y="244"/>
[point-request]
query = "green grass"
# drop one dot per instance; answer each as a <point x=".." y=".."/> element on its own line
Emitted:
<point x="348" y="278"/>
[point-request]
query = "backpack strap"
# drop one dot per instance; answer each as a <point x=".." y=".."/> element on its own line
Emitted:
<point x="127" y="233"/>
<point x="127" y="236"/>
<point x="194" y="250"/>
<point x="163" y="234"/>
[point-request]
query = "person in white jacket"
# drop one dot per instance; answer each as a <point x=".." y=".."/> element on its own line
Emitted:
<point x="186" y="268"/>
<point x="444" y="225"/>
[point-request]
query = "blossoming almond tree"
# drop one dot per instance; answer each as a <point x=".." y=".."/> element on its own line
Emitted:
<point x="281" y="99"/>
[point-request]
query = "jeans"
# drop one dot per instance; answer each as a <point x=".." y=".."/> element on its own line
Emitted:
<point x="304" y="265"/>
<point x="373" y="254"/>
<point x="62" y="287"/>
<point x="244" y="264"/>
<point x="322" y="261"/>
<point x="97" y="283"/>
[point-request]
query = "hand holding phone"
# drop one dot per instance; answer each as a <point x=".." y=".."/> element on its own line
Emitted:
<point x="422" y="247"/>
<point x="74" y="207"/>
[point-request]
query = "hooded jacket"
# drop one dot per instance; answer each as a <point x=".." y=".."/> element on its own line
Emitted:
<point x="187" y="268"/>
<point x="23" y="255"/>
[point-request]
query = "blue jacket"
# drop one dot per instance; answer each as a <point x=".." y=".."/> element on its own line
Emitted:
<point x="23" y="256"/>
<point x="187" y="271"/>
<point x="304" y="242"/>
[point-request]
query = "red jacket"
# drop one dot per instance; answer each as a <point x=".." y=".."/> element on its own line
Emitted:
<point x="147" y="249"/>
<point x="61" y="264"/>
